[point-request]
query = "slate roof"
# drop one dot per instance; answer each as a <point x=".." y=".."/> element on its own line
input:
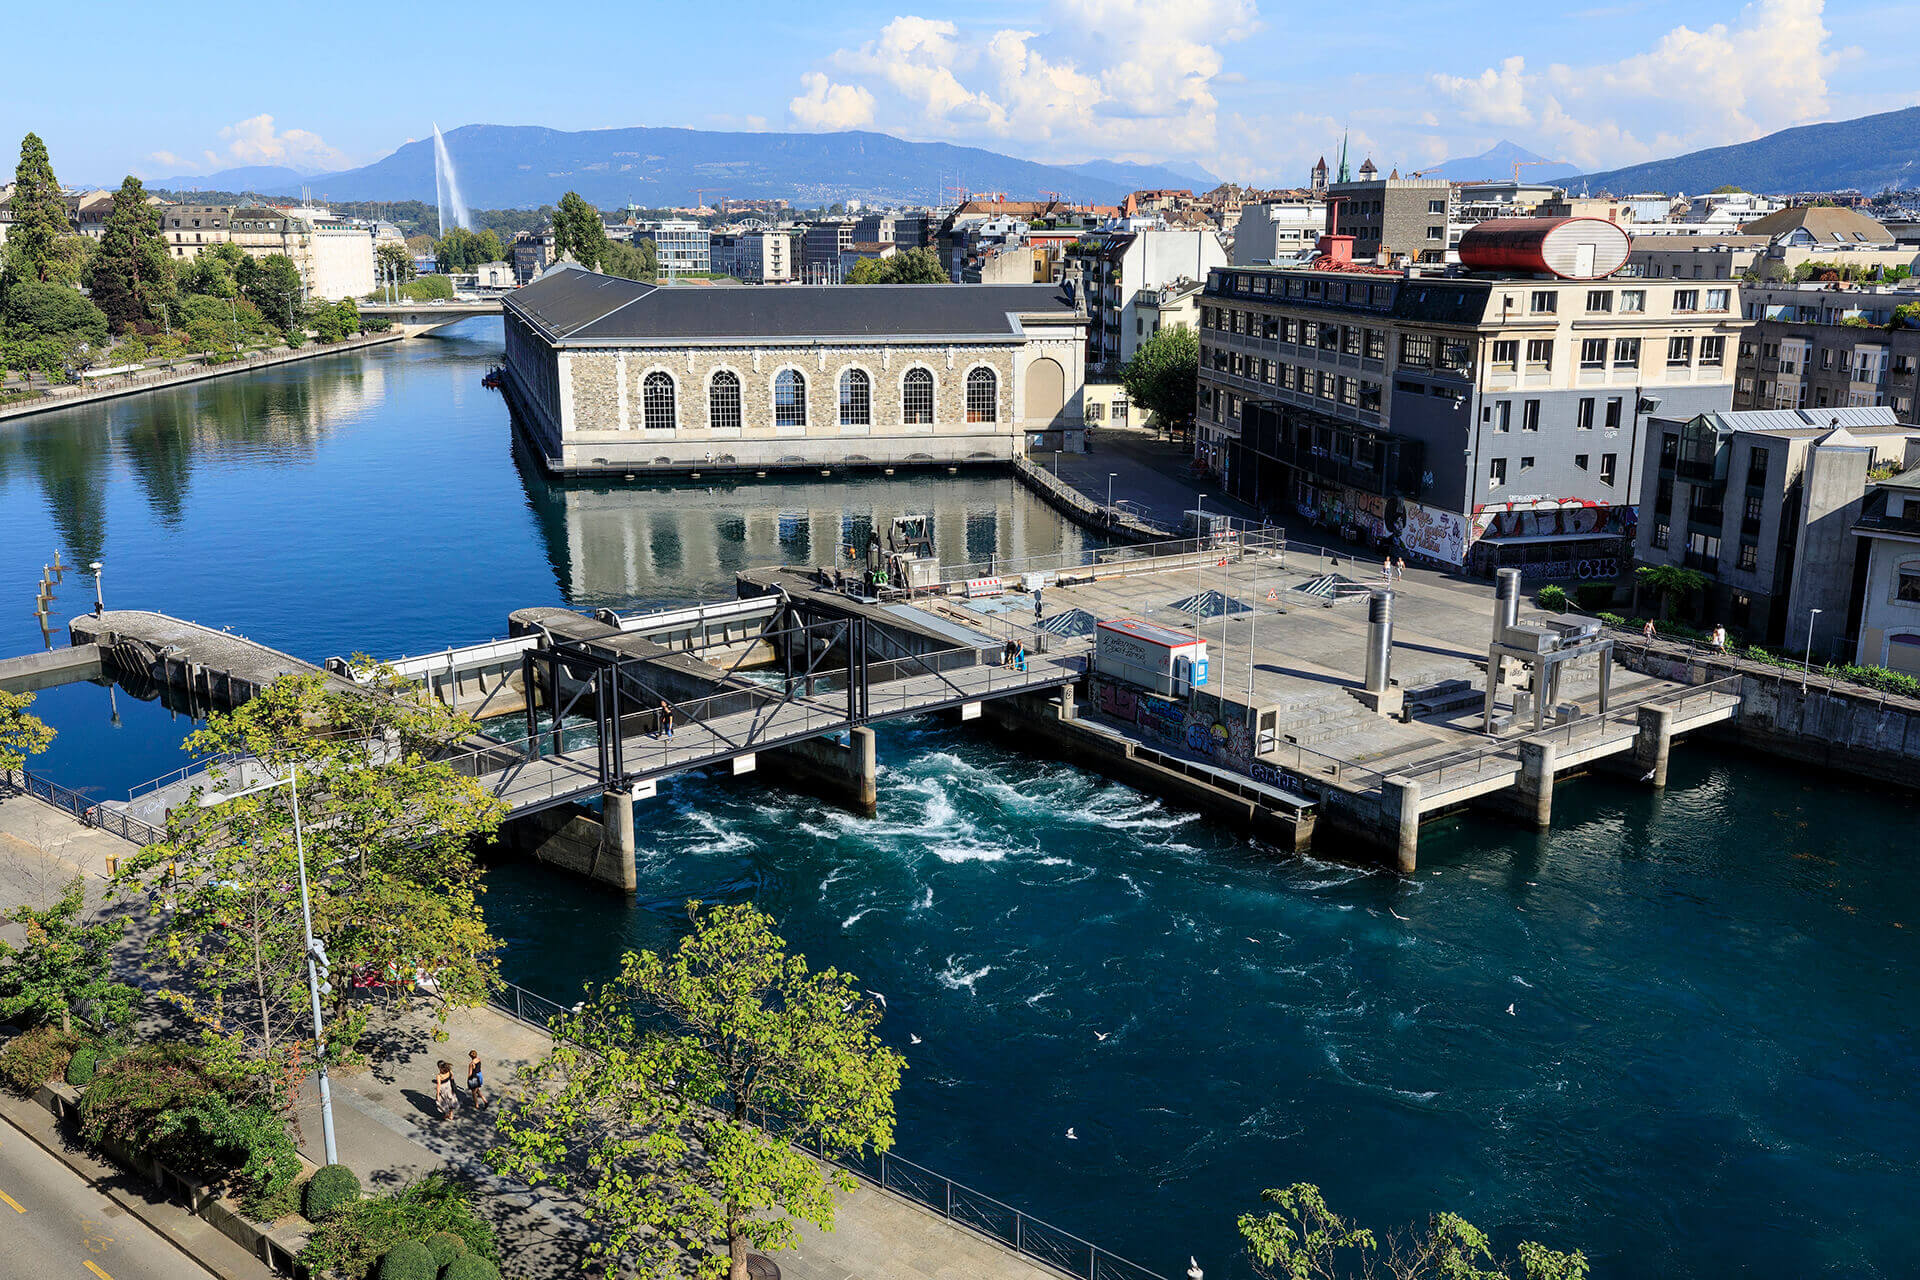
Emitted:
<point x="583" y="308"/>
<point x="1826" y="224"/>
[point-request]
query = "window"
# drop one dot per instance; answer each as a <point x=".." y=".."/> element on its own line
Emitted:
<point x="1749" y="556"/>
<point x="1503" y="415"/>
<point x="1679" y="352"/>
<point x="1756" y="509"/>
<point x="1329" y="337"/>
<point x="1349" y="340"/>
<point x="1686" y="299"/>
<point x="1530" y="415"/>
<point x="1660" y="536"/>
<point x="1096" y="411"/>
<point x="983" y="396"/>
<point x="1436" y="233"/>
<point x="1456" y="355"/>
<point x="1600" y="300"/>
<point x="1613" y="413"/>
<point x="1713" y="350"/>
<point x="1633" y="299"/>
<point x="723" y="401"/>
<point x="1416" y="349"/>
<point x="1540" y="352"/>
<point x="1544" y="302"/>
<point x="1718" y="299"/>
<point x="1350" y="391"/>
<point x="1506" y="352"/>
<point x="1757" y="467"/>
<point x="856" y="399"/>
<point x="1526" y="464"/>
<point x="1907" y="587"/>
<point x="1326" y="385"/>
<point x="1370" y="397"/>
<point x="656" y="398"/>
<point x="1608" y="464"/>
<point x="1626" y="351"/>
<point x="1496" y="473"/>
<point x="1436" y="206"/>
<point x="1580" y="460"/>
<point x="1584" y="417"/>
<point x="789" y="399"/>
<point x="1376" y="345"/>
<point x="916" y="399"/>
<point x="1593" y="353"/>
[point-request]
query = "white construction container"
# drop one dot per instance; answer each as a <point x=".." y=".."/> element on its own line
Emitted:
<point x="1169" y="662"/>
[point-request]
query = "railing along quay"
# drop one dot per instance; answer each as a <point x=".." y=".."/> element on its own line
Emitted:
<point x="982" y="1215"/>
<point x="91" y="812"/>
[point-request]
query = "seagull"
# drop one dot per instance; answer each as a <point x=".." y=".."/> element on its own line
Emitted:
<point x="1510" y="1012"/>
<point x="1647" y="776"/>
<point x="1254" y="941"/>
<point x="912" y="1038"/>
<point x="1397" y="916"/>
<point x="845" y="1007"/>
<point x="1100" y="1035"/>
<point x="1071" y="1135"/>
<point x="877" y="996"/>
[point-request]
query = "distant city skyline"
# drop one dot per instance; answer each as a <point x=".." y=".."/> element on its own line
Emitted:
<point x="1249" y="89"/>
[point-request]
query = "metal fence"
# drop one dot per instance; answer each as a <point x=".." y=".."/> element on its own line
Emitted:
<point x="112" y="821"/>
<point x="974" y="1211"/>
<point x="1175" y="553"/>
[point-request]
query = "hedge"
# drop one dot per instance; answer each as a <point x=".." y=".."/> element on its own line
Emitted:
<point x="468" y="1267"/>
<point x="80" y="1066"/>
<point x="408" y="1260"/>
<point x="445" y="1247"/>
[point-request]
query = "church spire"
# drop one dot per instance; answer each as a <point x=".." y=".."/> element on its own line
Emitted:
<point x="1345" y="174"/>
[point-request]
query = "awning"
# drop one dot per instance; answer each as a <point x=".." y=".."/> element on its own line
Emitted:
<point x="1520" y="539"/>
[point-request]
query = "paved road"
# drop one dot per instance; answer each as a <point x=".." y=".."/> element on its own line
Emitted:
<point x="55" y="1226"/>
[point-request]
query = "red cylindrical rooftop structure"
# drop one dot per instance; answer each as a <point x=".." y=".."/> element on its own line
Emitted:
<point x="1571" y="248"/>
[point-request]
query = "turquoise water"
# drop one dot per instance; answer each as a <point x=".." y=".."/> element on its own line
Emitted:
<point x="1707" y="1070"/>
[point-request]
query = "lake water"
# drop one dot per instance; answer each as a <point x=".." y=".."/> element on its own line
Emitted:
<point x="1676" y="1031"/>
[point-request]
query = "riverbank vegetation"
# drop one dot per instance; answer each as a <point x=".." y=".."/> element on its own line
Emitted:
<point x="1302" y="1239"/>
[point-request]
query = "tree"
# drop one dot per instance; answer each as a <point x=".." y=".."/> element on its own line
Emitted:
<point x="1670" y="582"/>
<point x="577" y="230"/>
<point x="388" y="830"/>
<point x="638" y="261"/>
<point x="21" y="734"/>
<point x="273" y="285"/>
<point x="35" y="249"/>
<point x="54" y="313"/>
<point x="1164" y="375"/>
<point x="650" y="1095"/>
<point x="65" y="967"/>
<point x="130" y="276"/>
<point x="912" y="266"/>
<point x="462" y="250"/>
<point x="395" y="263"/>
<point x="1306" y="1241"/>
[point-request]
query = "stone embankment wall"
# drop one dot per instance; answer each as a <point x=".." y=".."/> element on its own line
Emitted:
<point x="1083" y="511"/>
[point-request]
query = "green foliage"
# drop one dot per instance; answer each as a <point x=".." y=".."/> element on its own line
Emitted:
<point x="468" y="1267"/>
<point x="21" y="733"/>
<point x="215" y="272"/>
<point x="577" y="230"/>
<point x="349" y="1242"/>
<point x="65" y="967"/>
<point x="1670" y="582"/>
<point x="445" y="1247"/>
<point x="130" y="1094"/>
<point x="408" y="1260"/>
<point x="428" y="289"/>
<point x="1164" y="375"/>
<point x="1593" y="596"/>
<point x="394" y="263"/>
<point x="37" y="1056"/>
<point x="336" y="322"/>
<point x="910" y="266"/>
<point x="41" y="245"/>
<point x="214" y="1138"/>
<point x="80" y="1066"/>
<point x="331" y="1190"/>
<point x="463" y="250"/>
<point x="1305" y="1240"/>
<point x="1727" y="189"/>
<point x="1553" y="598"/>
<point x="651" y="1123"/>
<point x="53" y="313"/>
<point x="130" y="275"/>
<point x="631" y="261"/>
<point x="273" y="286"/>
<point x="1906" y="316"/>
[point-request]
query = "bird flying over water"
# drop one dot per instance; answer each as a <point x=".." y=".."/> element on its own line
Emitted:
<point x="877" y="996"/>
<point x="1510" y="1012"/>
<point x="1071" y="1135"/>
<point x="912" y="1038"/>
<point x="1397" y="916"/>
<point x="1100" y="1035"/>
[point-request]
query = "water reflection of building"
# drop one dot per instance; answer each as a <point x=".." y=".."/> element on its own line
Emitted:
<point x="613" y="545"/>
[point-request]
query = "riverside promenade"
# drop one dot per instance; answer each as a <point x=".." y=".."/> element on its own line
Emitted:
<point x="389" y="1131"/>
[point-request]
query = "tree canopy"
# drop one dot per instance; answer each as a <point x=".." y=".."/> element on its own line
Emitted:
<point x="910" y="266"/>
<point x="66" y="966"/>
<point x="577" y="230"/>
<point x="1302" y="1239"/>
<point x="52" y="312"/>
<point x="395" y="263"/>
<point x="130" y="276"/>
<point x="42" y="247"/>
<point x="463" y="250"/>
<point x="22" y="734"/>
<point x="1164" y="375"/>
<point x="637" y="261"/>
<point x="680" y="1098"/>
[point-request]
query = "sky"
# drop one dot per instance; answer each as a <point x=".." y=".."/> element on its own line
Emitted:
<point x="1252" y="90"/>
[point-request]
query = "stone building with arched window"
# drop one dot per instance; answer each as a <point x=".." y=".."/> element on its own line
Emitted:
<point x="611" y="375"/>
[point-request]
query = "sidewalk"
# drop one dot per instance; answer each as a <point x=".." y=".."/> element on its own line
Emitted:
<point x="1154" y="474"/>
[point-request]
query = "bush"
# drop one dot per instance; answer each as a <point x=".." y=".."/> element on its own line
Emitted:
<point x="331" y="1189"/>
<point x="408" y="1260"/>
<point x="446" y="1246"/>
<point x="1593" y="596"/>
<point x="1613" y="619"/>
<point x="1554" y="598"/>
<point x="129" y="1094"/>
<point x="351" y="1241"/>
<point x="80" y="1066"/>
<point x="468" y="1267"/>
<point x="40" y="1055"/>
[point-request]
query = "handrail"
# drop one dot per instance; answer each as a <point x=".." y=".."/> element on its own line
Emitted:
<point x="972" y="1211"/>
<point x="94" y="814"/>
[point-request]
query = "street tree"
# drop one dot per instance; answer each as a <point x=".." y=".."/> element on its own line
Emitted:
<point x="55" y="314"/>
<point x="637" y="261"/>
<point x="41" y="243"/>
<point x="1164" y="375"/>
<point x="274" y="287"/>
<point x="681" y="1098"/>
<point x="22" y="734"/>
<point x="130" y="276"/>
<point x="65" y="967"/>
<point x="388" y="828"/>
<point x="1670" y="582"/>
<point x="1302" y="1239"/>
<point x="578" y="231"/>
<point x="911" y="266"/>
<point x="396" y="264"/>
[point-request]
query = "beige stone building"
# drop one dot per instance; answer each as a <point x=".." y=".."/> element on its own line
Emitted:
<point x="611" y="375"/>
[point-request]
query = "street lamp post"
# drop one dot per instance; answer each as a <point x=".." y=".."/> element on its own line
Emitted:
<point x="99" y="606"/>
<point x="316" y="953"/>
<point x="1110" y="476"/>
<point x="1806" y="659"/>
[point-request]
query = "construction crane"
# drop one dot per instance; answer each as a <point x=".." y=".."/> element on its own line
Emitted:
<point x="1519" y="164"/>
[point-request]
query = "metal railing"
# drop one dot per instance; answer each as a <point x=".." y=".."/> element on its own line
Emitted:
<point x="973" y="1211"/>
<point x="92" y="813"/>
<point x="1175" y="553"/>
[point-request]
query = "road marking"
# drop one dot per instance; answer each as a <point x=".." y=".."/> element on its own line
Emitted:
<point x="97" y="1271"/>
<point x="10" y="1200"/>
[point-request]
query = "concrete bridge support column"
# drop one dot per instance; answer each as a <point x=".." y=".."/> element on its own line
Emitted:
<point x="847" y="775"/>
<point x="1529" y="800"/>
<point x="1654" y="742"/>
<point x="1400" y="821"/>
<point x="613" y="864"/>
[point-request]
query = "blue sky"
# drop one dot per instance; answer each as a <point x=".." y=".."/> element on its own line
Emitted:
<point x="1252" y="89"/>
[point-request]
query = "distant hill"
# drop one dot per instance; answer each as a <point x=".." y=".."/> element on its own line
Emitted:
<point x="253" y="177"/>
<point x="1867" y="154"/>
<point x="1497" y="162"/>
<point x="1148" y="177"/>
<point x="518" y="166"/>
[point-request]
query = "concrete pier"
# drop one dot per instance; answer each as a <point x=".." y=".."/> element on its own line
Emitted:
<point x="35" y="671"/>
<point x="843" y="773"/>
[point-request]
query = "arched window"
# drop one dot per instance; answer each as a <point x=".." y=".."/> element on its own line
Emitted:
<point x="983" y="396"/>
<point x="789" y="399"/>
<point x="723" y="401"/>
<point x="856" y="399"/>
<point x="916" y="398"/>
<point x="656" y="398"/>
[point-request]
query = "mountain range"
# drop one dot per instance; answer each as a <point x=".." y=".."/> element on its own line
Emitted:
<point x="1498" y="162"/>
<point x="1867" y="154"/>
<point x="521" y="166"/>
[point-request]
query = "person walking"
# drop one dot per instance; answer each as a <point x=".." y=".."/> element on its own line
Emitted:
<point x="443" y="1089"/>
<point x="1720" y="639"/>
<point x="476" y="1080"/>
<point x="666" y="720"/>
<point x="1386" y="569"/>
<point x="1400" y="568"/>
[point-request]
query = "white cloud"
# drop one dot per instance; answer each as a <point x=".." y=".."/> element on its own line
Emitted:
<point x="255" y="141"/>
<point x="825" y="105"/>
<point x="1495" y="96"/>
<point x="169" y="159"/>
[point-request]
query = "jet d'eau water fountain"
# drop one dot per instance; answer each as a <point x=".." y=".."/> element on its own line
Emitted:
<point x="446" y="187"/>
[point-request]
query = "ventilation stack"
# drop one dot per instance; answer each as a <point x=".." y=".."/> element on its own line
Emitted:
<point x="1379" y="695"/>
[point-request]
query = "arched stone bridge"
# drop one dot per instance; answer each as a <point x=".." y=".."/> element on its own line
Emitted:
<point x="417" y="318"/>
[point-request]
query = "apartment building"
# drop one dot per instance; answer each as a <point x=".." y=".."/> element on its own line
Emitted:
<point x="1277" y="231"/>
<point x="334" y="256"/>
<point x="1814" y="346"/>
<point x="1405" y="216"/>
<point x="1763" y="503"/>
<point x="1889" y="531"/>
<point x="822" y="246"/>
<point x="1118" y="275"/>
<point x="759" y="256"/>
<point x="1480" y="417"/>
<point x="684" y="246"/>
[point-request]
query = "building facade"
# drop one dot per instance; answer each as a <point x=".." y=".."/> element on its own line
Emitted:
<point x="1889" y="531"/>
<point x="1132" y="266"/>
<point x="612" y="375"/>
<point x="760" y="256"/>
<point x="1485" y="420"/>
<point x="1815" y="346"/>
<point x="684" y="246"/>
<point x="1405" y="216"/>
<point x="1277" y="231"/>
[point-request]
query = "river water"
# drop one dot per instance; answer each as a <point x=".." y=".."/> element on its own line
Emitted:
<point x="1677" y="1031"/>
